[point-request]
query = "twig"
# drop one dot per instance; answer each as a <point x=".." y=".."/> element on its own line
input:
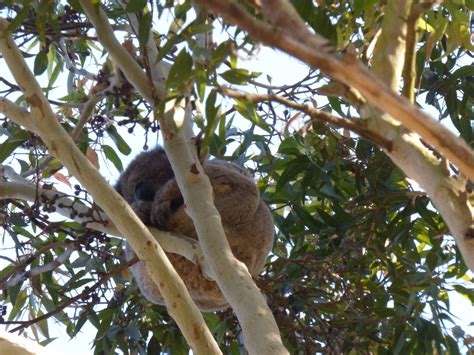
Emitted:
<point x="17" y="269"/>
<point x="84" y="294"/>
<point x="314" y="113"/>
<point x="97" y="220"/>
<point x="351" y="72"/>
<point x="54" y="264"/>
<point x="409" y="67"/>
<point x="88" y="109"/>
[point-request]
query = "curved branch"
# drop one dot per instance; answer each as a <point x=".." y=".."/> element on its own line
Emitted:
<point x="43" y="122"/>
<point x="448" y="194"/>
<point x="261" y="334"/>
<point x="351" y="72"/>
<point x="131" y="69"/>
<point x="315" y="115"/>
<point x="97" y="220"/>
<point x="28" y="259"/>
<point x="23" y="275"/>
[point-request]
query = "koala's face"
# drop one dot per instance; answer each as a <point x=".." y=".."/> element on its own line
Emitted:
<point x="144" y="176"/>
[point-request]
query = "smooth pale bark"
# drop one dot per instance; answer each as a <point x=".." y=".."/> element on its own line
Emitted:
<point x="12" y="344"/>
<point x="43" y="122"/>
<point x="409" y="154"/>
<point x="171" y="243"/>
<point x="447" y="193"/>
<point x="261" y="333"/>
<point x="350" y="71"/>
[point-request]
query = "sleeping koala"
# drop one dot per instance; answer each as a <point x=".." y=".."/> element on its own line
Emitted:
<point x="148" y="185"/>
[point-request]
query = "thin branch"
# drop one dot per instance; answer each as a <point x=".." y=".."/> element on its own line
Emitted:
<point x="83" y="295"/>
<point x="70" y="64"/>
<point x="261" y="333"/>
<point x="314" y="113"/>
<point x="97" y="220"/>
<point x="351" y="72"/>
<point x="88" y="109"/>
<point x="132" y="70"/>
<point x="409" y="66"/>
<point x="258" y="324"/>
<point x="86" y="113"/>
<point x="52" y="265"/>
<point x="17" y="269"/>
<point x="282" y="14"/>
<point x="448" y="194"/>
<point x="180" y="305"/>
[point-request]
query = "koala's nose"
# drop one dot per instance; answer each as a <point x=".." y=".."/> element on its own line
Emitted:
<point x="145" y="191"/>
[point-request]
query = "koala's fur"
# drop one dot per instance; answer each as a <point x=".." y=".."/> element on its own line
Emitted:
<point x="149" y="186"/>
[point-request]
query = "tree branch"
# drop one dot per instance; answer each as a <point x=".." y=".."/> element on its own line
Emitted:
<point x="97" y="220"/>
<point x="83" y="295"/>
<point x="448" y="194"/>
<point x="349" y="71"/>
<point x="88" y="109"/>
<point x="131" y="69"/>
<point x="408" y="153"/>
<point x="20" y="274"/>
<point x="261" y="334"/>
<point x="43" y="122"/>
<point x="15" y="344"/>
<point x="314" y="113"/>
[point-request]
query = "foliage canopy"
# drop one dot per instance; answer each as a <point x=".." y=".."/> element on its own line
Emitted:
<point x="362" y="261"/>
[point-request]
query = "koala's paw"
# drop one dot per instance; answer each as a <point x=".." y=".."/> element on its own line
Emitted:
<point x="160" y="213"/>
<point x="167" y="201"/>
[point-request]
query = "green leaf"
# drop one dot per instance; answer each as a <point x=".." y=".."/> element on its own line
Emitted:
<point x="213" y="117"/>
<point x="292" y="169"/>
<point x="247" y="110"/>
<point x="181" y="72"/>
<point x="144" y="28"/>
<point x="308" y="220"/>
<point x="211" y="109"/>
<point x="7" y="147"/>
<point x="239" y="76"/>
<point x="122" y="146"/>
<point x="41" y="63"/>
<point x="463" y="72"/>
<point x="54" y="75"/>
<point x="169" y="46"/>
<point x="135" y="5"/>
<point x="113" y="157"/>
<point x="291" y="146"/>
<point x="220" y="53"/>
<point x="153" y="347"/>
<point x="201" y="81"/>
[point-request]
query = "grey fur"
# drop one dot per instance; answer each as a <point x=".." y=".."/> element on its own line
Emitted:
<point x="149" y="186"/>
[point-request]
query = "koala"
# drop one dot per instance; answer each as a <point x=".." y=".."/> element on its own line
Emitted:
<point x="149" y="186"/>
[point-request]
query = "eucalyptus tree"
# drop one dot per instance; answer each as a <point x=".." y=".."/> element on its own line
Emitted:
<point x="365" y="159"/>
